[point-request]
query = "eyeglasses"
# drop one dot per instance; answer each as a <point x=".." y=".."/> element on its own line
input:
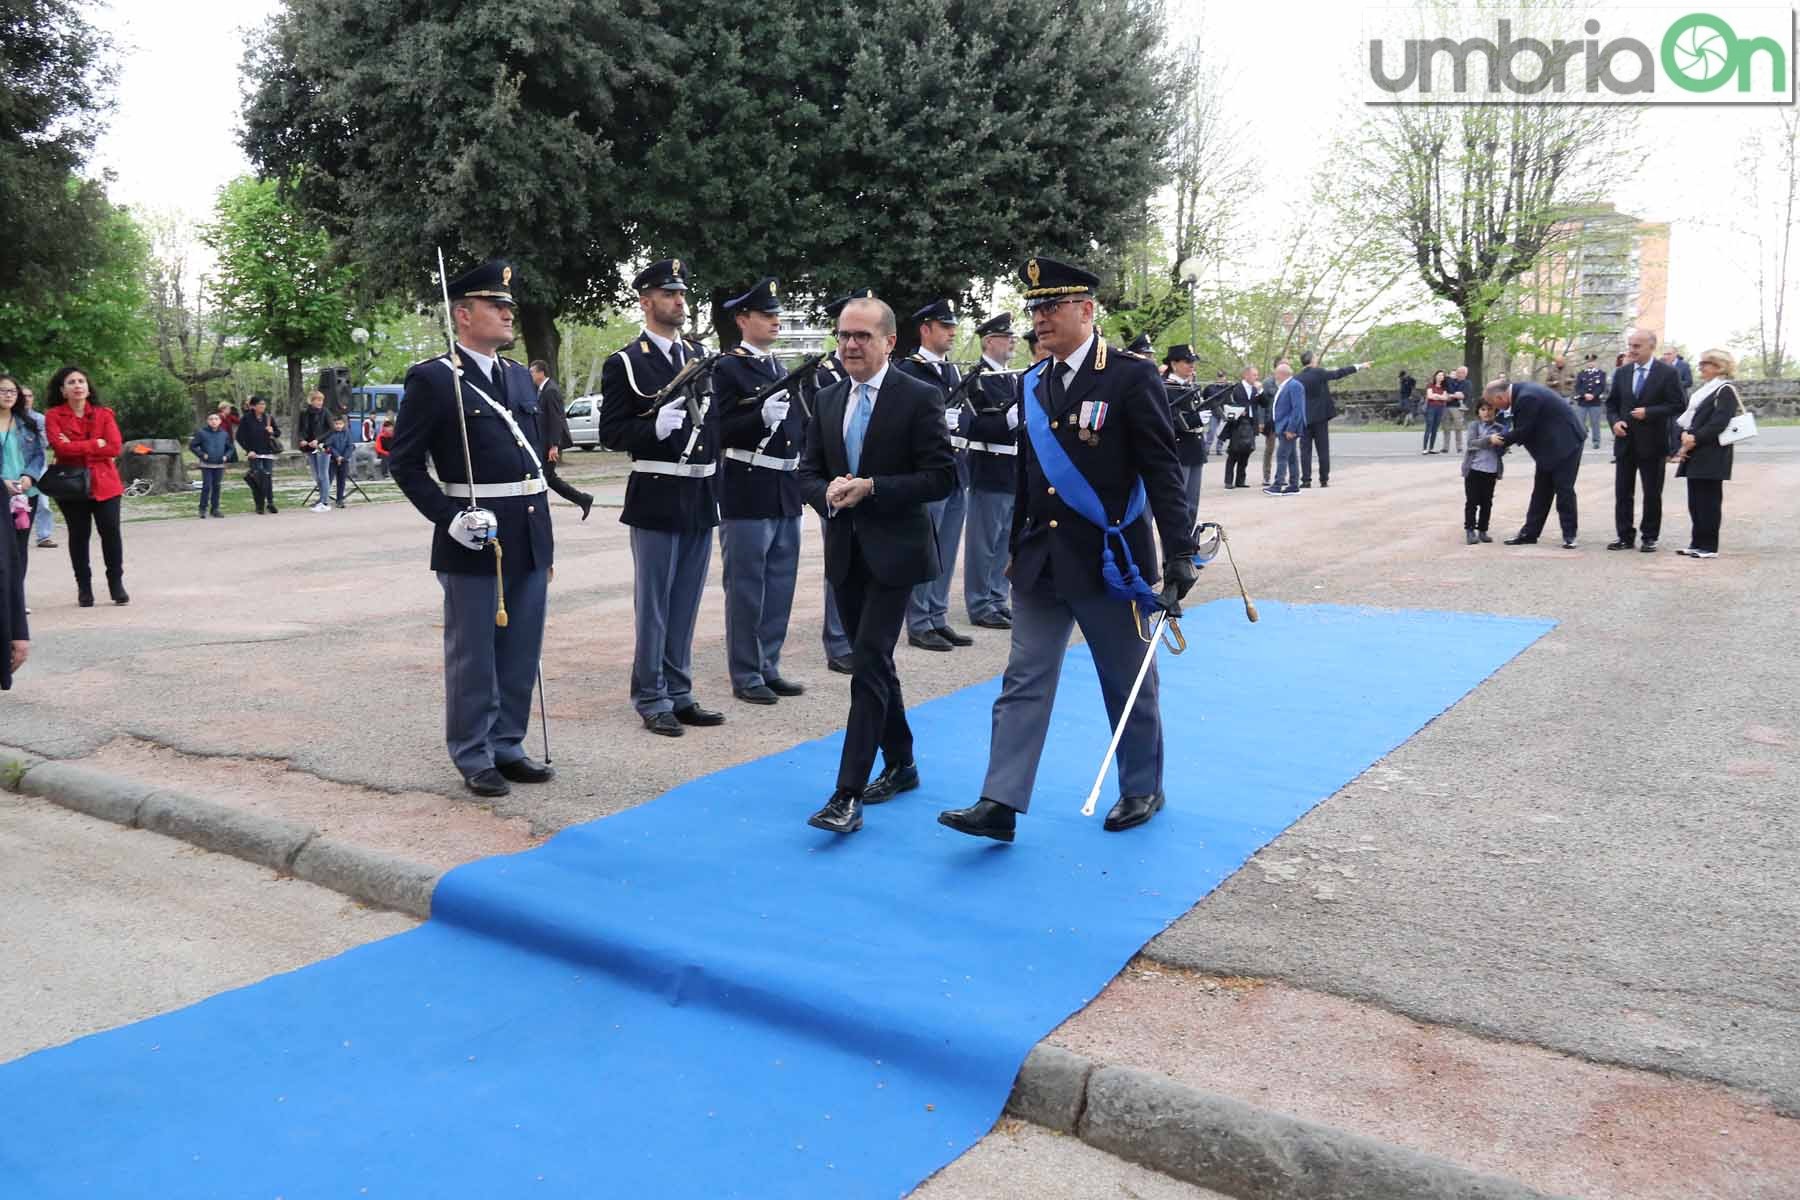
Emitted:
<point x="8" y="391"/>
<point x="861" y="337"/>
<point x="1047" y="307"/>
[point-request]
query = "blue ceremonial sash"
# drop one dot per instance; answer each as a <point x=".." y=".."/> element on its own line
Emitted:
<point x="1076" y="492"/>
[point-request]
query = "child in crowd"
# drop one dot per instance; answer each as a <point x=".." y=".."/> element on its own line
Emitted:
<point x="1481" y="468"/>
<point x="384" y="442"/>
<point x="212" y="446"/>
<point x="1238" y="434"/>
<point x="342" y="448"/>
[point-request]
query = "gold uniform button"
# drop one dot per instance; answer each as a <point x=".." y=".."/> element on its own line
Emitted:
<point x="1053" y="522"/>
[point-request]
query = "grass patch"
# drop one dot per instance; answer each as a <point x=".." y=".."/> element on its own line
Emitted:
<point x="235" y="498"/>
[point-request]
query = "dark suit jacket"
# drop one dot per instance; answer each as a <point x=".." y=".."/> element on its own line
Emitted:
<point x="906" y="451"/>
<point x="1316" y="381"/>
<point x="1544" y="424"/>
<point x="552" y="408"/>
<point x="1662" y="398"/>
<point x="1135" y="442"/>
<point x="1708" y="459"/>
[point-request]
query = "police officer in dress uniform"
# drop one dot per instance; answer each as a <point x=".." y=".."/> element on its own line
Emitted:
<point x="1103" y="420"/>
<point x="759" y="497"/>
<point x="1187" y="413"/>
<point x="928" y="612"/>
<point x="1142" y="347"/>
<point x="669" y="502"/>
<point x="992" y="423"/>
<point x="838" y="655"/>
<point x="489" y="669"/>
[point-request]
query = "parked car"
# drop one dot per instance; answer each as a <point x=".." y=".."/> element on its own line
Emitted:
<point x="583" y="414"/>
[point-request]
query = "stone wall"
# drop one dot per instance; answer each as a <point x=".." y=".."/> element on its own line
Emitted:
<point x="1767" y="398"/>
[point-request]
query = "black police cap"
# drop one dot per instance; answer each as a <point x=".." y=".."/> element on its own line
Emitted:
<point x="1047" y="279"/>
<point x="837" y="306"/>
<point x="1142" y="345"/>
<point x="760" y="298"/>
<point x="1000" y="326"/>
<point x="1031" y="337"/>
<point x="670" y="275"/>
<point x="937" y="310"/>
<point x="1181" y="352"/>
<point x="492" y="280"/>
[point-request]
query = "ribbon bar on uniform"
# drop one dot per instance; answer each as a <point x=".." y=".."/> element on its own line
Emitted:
<point x="493" y="491"/>
<point x="653" y="466"/>
<point x="766" y="461"/>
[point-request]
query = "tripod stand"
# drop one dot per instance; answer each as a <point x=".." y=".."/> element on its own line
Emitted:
<point x="349" y="478"/>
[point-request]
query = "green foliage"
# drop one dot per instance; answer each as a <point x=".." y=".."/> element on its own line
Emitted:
<point x="151" y="403"/>
<point x="275" y="285"/>
<point x="1420" y="346"/>
<point x="95" y="315"/>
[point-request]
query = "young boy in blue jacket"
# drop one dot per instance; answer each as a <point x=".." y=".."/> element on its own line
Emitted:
<point x="342" y="449"/>
<point x="213" y="447"/>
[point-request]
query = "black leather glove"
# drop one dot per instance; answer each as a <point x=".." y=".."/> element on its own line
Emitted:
<point x="1180" y="574"/>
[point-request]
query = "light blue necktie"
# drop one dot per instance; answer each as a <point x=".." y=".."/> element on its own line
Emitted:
<point x="1637" y="384"/>
<point x="859" y="425"/>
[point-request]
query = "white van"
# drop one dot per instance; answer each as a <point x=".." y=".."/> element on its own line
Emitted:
<point x="583" y="415"/>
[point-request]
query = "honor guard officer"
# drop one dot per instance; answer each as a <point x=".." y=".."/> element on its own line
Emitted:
<point x="993" y="458"/>
<point x="669" y="501"/>
<point x="1142" y="347"/>
<point x="1097" y="461"/>
<point x="1187" y="413"/>
<point x="489" y="667"/>
<point x="928" y="612"/>
<point x="831" y="370"/>
<point x="759" y="498"/>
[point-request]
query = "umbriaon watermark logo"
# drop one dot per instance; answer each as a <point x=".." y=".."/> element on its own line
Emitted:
<point x="1709" y="55"/>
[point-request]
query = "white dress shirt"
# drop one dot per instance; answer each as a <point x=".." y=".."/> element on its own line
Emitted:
<point x="874" y="399"/>
<point x="486" y="362"/>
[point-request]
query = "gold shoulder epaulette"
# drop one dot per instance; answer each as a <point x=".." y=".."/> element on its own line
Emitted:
<point x="644" y="345"/>
<point x="1099" y="354"/>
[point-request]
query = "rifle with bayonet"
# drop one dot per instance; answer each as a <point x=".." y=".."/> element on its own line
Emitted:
<point x="791" y="382"/>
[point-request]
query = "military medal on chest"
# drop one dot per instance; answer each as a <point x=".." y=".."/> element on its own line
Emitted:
<point x="1088" y="422"/>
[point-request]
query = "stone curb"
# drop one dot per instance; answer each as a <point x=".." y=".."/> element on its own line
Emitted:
<point x="1229" y="1146"/>
<point x="362" y="874"/>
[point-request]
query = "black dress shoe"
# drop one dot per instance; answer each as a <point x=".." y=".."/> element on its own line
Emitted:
<point x="1648" y="546"/>
<point x="785" y="687"/>
<point x="526" y="770"/>
<point x="1469" y="536"/>
<point x="693" y="714"/>
<point x="1306" y="483"/>
<point x="487" y="782"/>
<point x="664" y="723"/>
<point x="842" y="666"/>
<point x="85" y="597"/>
<point x="841" y="814"/>
<point x="1324" y="483"/>
<point x="994" y="622"/>
<point x="1482" y="535"/>
<point x="891" y="782"/>
<point x="1132" y="811"/>
<point x="754" y="695"/>
<point x="116" y="589"/>
<point x="587" y="505"/>
<point x="1519" y="541"/>
<point x="929" y="640"/>
<point x="954" y="638"/>
<point x="984" y="818"/>
<point x="1621" y="544"/>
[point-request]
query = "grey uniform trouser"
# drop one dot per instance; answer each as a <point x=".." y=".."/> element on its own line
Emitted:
<point x="929" y="605"/>
<point x="832" y="635"/>
<point x="1042" y="624"/>
<point x="986" y="590"/>
<point x="670" y="574"/>
<point x="761" y="558"/>
<point x="489" y="670"/>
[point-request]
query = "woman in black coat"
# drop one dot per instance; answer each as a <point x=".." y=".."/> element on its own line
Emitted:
<point x="1703" y="462"/>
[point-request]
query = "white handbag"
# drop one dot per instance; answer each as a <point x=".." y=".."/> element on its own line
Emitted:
<point x="1742" y="427"/>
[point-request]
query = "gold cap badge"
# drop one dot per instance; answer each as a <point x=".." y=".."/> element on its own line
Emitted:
<point x="771" y="287"/>
<point x="1031" y="272"/>
<point x="675" y="266"/>
<point x="506" y="277"/>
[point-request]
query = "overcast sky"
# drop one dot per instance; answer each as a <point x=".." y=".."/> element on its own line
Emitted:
<point x="1288" y="67"/>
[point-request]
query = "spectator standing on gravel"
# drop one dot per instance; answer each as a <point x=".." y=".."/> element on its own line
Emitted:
<point x="1645" y="399"/>
<point x="83" y="434"/>
<point x="21" y="464"/>
<point x="1290" y="419"/>
<point x="340" y="447"/>
<point x="43" y="526"/>
<point x="1320" y="409"/>
<point x="1481" y="469"/>
<point x="1590" y="397"/>
<point x="313" y="429"/>
<point x="256" y="433"/>
<point x="1456" y="407"/>
<point x="229" y="417"/>
<point x="1407" y="385"/>
<point x="1703" y="462"/>
<point x="212" y="446"/>
<point x="553" y="417"/>
<point x="384" y="445"/>
<point x="1437" y="395"/>
<point x="1556" y="376"/>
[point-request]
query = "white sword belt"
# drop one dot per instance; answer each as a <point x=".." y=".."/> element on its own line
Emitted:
<point x="650" y="466"/>
<point x="985" y="447"/>
<point x="493" y="491"/>
<point x="766" y="461"/>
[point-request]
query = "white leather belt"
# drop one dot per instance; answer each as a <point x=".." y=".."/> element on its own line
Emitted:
<point x="493" y="491"/>
<point x="766" y="461"/>
<point x="958" y="443"/>
<point x="994" y="447"/>
<point x="652" y="466"/>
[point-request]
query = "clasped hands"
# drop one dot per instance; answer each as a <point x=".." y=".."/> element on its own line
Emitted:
<point x="848" y="491"/>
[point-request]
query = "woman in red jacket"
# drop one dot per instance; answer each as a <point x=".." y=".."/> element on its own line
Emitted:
<point x="83" y="434"/>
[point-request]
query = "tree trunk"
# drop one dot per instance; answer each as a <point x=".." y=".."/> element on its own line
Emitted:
<point x="1474" y="340"/>
<point x="542" y="340"/>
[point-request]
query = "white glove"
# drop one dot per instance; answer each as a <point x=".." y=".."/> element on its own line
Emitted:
<point x="775" y="409"/>
<point x="670" y="416"/>
<point x="1012" y="417"/>
<point x="472" y="527"/>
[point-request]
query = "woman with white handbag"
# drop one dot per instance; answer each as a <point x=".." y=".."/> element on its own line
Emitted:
<point x="1705" y="458"/>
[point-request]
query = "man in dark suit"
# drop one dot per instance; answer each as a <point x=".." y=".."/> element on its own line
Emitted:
<point x="489" y="669"/>
<point x="1320" y="409"/>
<point x="877" y="455"/>
<point x="1543" y="423"/>
<point x="928" y="616"/>
<point x="831" y="631"/>
<point x="669" y="499"/>
<point x="1097" y="446"/>
<point x="1646" y="395"/>
<point x="551" y="408"/>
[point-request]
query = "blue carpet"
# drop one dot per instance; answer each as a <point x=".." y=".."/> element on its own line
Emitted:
<point x="703" y="997"/>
